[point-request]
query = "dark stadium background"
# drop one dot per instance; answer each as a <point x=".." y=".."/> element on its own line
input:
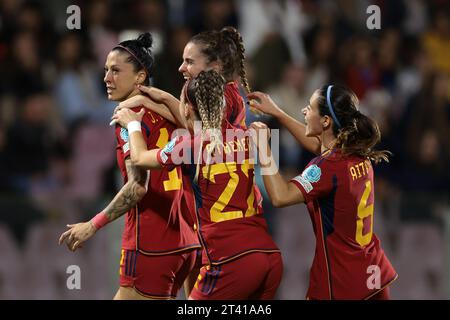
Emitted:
<point x="57" y="152"/>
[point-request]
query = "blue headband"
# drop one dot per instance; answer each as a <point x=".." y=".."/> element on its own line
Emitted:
<point x="330" y="106"/>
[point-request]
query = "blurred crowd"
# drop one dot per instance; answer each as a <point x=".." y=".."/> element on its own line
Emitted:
<point x="57" y="153"/>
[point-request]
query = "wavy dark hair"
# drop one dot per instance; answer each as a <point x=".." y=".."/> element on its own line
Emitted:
<point x="227" y="47"/>
<point x="357" y="134"/>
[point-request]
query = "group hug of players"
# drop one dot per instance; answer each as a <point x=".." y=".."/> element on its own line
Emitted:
<point x="193" y="213"/>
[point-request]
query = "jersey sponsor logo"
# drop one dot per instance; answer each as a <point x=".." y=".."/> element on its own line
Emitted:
<point x="126" y="147"/>
<point x="312" y="173"/>
<point x="305" y="183"/>
<point x="124" y="134"/>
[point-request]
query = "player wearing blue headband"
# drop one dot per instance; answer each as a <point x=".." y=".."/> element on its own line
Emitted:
<point x="338" y="188"/>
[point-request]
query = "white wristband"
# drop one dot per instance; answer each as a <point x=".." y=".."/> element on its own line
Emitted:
<point x="134" y="126"/>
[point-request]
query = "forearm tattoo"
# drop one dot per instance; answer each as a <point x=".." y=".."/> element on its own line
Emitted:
<point x="130" y="194"/>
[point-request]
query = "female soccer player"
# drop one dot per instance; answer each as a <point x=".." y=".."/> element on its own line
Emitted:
<point x="240" y="259"/>
<point x="222" y="51"/>
<point x="338" y="189"/>
<point x="159" y="240"/>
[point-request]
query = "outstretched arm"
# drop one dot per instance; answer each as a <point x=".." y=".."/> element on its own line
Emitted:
<point x="263" y="102"/>
<point x="281" y="192"/>
<point x="128" y="196"/>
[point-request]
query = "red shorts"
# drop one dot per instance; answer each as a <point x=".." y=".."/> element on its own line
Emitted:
<point x="156" y="277"/>
<point x="382" y="295"/>
<point x="255" y="276"/>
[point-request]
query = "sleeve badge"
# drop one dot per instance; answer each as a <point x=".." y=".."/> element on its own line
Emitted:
<point x="312" y="173"/>
<point x="124" y="134"/>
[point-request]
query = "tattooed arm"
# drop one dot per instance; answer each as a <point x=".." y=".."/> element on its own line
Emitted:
<point x="130" y="194"/>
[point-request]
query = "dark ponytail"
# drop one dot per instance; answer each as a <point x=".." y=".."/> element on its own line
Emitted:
<point x="140" y="53"/>
<point x="356" y="133"/>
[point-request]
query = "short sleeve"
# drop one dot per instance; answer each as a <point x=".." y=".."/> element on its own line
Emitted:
<point x="315" y="181"/>
<point x="123" y="138"/>
<point x="175" y="153"/>
<point x="235" y="106"/>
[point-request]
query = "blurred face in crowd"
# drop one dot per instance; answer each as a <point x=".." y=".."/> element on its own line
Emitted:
<point x="121" y="78"/>
<point x="313" y="119"/>
<point x="194" y="61"/>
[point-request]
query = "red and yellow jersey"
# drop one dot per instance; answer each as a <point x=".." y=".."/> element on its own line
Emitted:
<point x="163" y="221"/>
<point x="349" y="262"/>
<point x="235" y="106"/>
<point x="229" y="212"/>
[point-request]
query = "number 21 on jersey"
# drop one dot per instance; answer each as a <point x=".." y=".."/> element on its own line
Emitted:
<point x="217" y="210"/>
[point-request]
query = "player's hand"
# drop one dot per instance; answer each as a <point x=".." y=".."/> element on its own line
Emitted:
<point x="125" y="116"/>
<point x="263" y="103"/>
<point x="77" y="234"/>
<point x="261" y="133"/>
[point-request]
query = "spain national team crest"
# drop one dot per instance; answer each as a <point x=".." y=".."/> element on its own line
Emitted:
<point x="124" y="134"/>
<point x="312" y="173"/>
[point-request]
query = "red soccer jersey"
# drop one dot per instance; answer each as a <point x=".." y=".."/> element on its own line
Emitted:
<point x="229" y="215"/>
<point x="349" y="262"/>
<point x="235" y="115"/>
<point x="235" y="106"/>
<point x="163" y="221"/>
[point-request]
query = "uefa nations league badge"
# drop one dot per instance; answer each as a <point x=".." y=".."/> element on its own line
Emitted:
<point x="312" y="173"/>
<point x="124" y="134"/>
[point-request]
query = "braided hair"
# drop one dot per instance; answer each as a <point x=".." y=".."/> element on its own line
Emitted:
<point x="239" y="60"/>
<point x="140" y="54"/>
<point x="206" y="95"/>
<point x="225" y="46"/>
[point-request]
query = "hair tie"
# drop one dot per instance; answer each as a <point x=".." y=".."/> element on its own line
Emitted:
<point x="330" y="106"/>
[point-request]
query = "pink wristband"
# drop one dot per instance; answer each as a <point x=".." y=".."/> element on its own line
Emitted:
<point x="100" y="220"/>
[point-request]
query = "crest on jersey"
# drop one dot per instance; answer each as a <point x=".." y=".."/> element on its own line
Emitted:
<point x="124" y="134"/>
<point x="312" y="173"/>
